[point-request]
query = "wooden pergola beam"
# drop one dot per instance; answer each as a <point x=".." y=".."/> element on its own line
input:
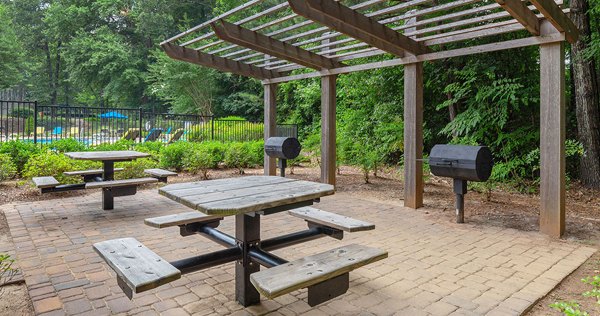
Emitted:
<point x="261" y="43"/>
<point x="223" y="64"/>
<point x="352" y="23"/>
<point x="558" y="18"/>
<point x="521" y="13"/>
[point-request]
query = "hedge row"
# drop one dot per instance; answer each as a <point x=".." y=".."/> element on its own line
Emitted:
<point x="28" y="160"/>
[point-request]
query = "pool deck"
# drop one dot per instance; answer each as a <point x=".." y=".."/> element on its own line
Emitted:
<point x="433" y="268"/>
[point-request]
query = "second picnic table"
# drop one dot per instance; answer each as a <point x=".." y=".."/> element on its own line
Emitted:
<point x="108" y="158"/>
<point x="247" y="198"/>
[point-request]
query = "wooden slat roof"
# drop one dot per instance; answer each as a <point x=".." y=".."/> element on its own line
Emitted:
<point x="267" y="39"/>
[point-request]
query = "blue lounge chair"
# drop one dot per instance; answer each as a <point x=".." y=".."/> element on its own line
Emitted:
<point x="153" y="135"/>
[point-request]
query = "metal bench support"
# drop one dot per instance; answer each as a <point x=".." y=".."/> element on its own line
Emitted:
<point x="108" y="200"/>
<point x="247" y="234"/>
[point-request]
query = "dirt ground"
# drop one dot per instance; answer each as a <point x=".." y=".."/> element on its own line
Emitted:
<point x="498" y="208"/>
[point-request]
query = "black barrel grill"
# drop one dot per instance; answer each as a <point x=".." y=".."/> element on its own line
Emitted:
<point x="461" y="163"/>
<point x="282" y="148"/>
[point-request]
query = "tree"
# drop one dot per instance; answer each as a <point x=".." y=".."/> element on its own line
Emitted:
<point x="587" y="95"/>
<point x="187" y="87"/>
<point x="11" y="58"/>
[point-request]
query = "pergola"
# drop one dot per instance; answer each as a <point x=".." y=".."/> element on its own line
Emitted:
<point x="278" y="41"/>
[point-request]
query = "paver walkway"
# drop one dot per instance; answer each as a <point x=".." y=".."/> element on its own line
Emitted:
<point x="433" y="268"/>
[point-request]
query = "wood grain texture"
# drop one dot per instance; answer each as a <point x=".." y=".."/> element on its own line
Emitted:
<point x="558" y="18"/>
<point x="328" y="129"/>
<point x="313" y="269"/>
<point x="492" y="47"/>
<point x="45" y="182"/>
<point x="333" y="220"/>
<point x="270" y="108"/>
<point x="138" y="266"/>
<point x="413" y="135"/>
<point x="261" y="43"/>
<point x="216" y="62"/>
<point x="552" y="137"/>
<point x="119" y="183"/>
<point x="88" y="172"/>
<point x="357" y="25"/>
<point x="160" y="172"/>
<point x="234" y="196"/>
<point x="122" y="155"/>
<point x="521" y="13"/>
<point x="179" y="219"/>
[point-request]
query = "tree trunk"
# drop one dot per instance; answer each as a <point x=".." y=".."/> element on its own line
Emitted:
<point x="50" y="72"/>
<point x="55" y="81"/>
<point x="586" y="97"/>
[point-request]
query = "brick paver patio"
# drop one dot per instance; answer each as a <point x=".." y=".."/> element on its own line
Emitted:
<point x="433" y="268"/>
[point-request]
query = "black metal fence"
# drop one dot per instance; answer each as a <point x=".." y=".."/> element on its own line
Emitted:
<point x="43" y="124"/>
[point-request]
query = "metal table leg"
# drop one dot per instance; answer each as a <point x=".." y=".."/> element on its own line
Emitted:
<point x="247" y="234"/>
<point x="108" y="199"/>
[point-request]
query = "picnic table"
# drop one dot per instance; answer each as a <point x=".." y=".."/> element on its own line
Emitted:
<point x="111" y="189"/>
<point x="247" y="198"/>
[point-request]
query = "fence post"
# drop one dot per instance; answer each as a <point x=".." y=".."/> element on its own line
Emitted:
<point x="141" y="116"/>
<point x="35" y="121"/>
<point x="212" y="128"/>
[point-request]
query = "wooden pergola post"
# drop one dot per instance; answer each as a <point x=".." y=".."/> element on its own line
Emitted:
<point x="328" y="156"/>
<point x="270" y="97"/>
<point x="552" y="135"/>
<point x="413" y="135"/>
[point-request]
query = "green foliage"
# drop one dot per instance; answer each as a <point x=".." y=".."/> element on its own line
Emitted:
<point x="7" y="271"/>
<point x="29" y="125"/>
<point x="8" y="169"/>
<point x="121" y="144"/>
<point x="135" y="168"/>
<point x="569" y="308"/>
<point x="257" y="153"/>
<point x="21" y="112"/>
<point x="238" y="155"/>
<point x="199" y="160"/>
<point x="54" y="164"/>
<point x="11" y="52"/>
<point x="186" y="87"/>
<point x="67" y="145"/>
<point x="595" y="291"/>
<point x="20" y="152"/>
<point x="172" y="155"/>
<point x="153" y="148"/>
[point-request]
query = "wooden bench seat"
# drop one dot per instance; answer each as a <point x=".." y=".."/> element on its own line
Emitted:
<point x="180" y="219"/>
<point x="88" y="172"/>
<point x="138" y="268"/>
<point x="333" y="220"/>
<point x="314" y="269"/>
<point x="119" y="183"/>
<point x="160" y="174"/>
<point x="45" y="182"/>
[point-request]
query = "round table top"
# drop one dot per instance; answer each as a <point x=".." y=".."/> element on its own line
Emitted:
<point x="117" y="155"/>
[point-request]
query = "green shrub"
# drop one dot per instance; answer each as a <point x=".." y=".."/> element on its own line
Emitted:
<point x="199" y="160"/>
<point x="135" y="168"/>
<point x="172" y="155"/>
<point x="54" y="164"/>
<point x="21" y="112"/>
<point x="217" y="151"/>
<point x="20" y="152"/>
<point x="238" y="156"/>
<point x="200" y="132"/>
<point x="121" y="144"/>
<point x="8" y="169"/>
<point x="67" y="145"/>
<point x="257" y="152"/>
<point x="152" y="148"/>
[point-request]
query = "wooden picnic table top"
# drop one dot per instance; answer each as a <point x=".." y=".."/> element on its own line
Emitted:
<point x="117" y="155"/>
<point x="244" y="195"/>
